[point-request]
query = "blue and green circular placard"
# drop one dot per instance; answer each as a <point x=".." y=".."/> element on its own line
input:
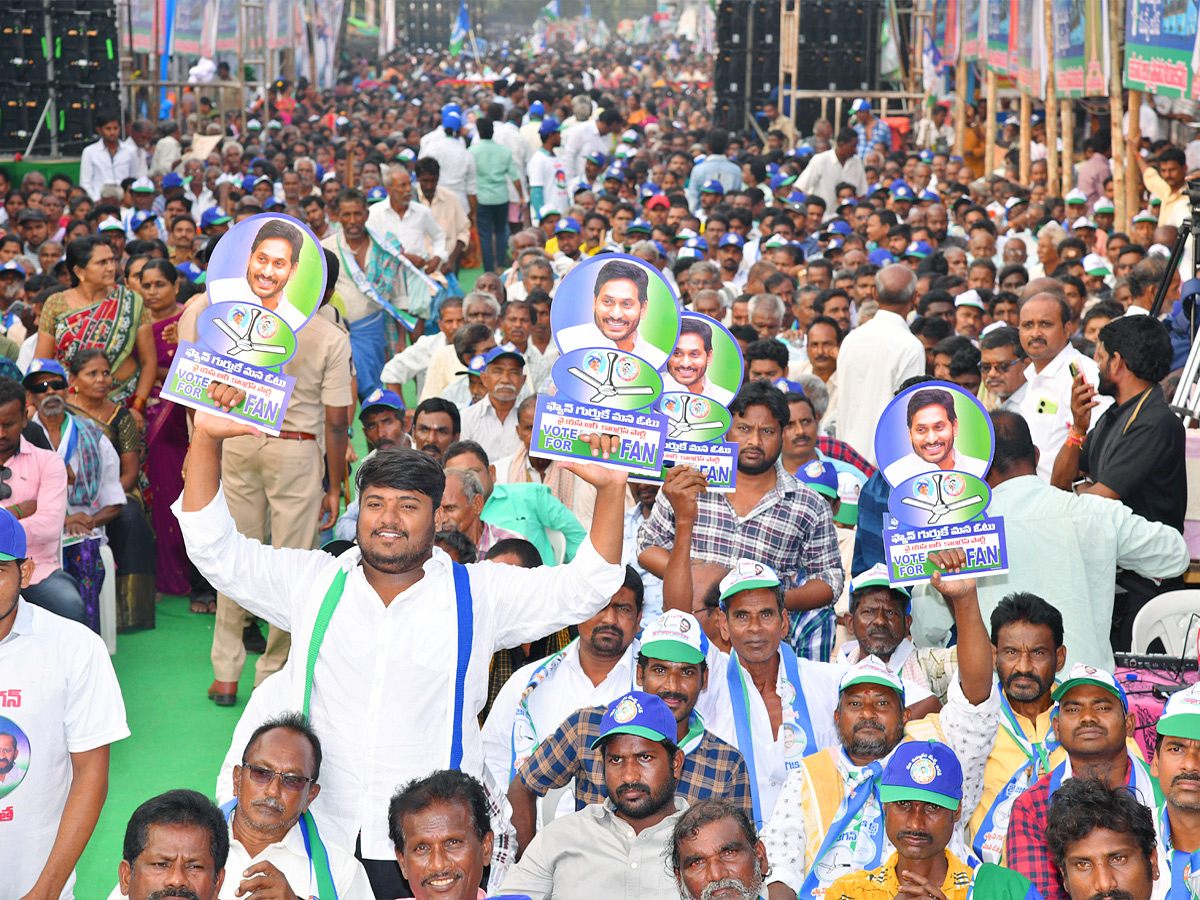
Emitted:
<point x="605" y="377"/>
<point x="933" y="426"/>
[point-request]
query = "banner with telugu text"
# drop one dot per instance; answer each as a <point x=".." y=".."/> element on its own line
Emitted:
<point x="1160" y="42"/>
<point x="1081" y="54"/>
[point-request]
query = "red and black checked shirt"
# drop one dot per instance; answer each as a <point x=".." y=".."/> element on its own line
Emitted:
<point x="1025" y="848"/>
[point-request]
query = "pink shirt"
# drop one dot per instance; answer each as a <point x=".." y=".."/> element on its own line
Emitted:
<point x="40" y="475"/>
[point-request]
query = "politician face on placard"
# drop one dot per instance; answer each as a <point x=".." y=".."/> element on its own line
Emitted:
<point x="933" y="428"/>
<point x="274" y="260"/>
<point x="620" y="303"/>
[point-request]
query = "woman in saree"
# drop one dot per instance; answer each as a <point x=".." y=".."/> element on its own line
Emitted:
<point x="129" y="534"/>
<point x="99" y="313"/>
<point x="166" y="429"/>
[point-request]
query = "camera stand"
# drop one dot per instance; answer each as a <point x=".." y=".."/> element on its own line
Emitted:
<point x="1186" y="402"/>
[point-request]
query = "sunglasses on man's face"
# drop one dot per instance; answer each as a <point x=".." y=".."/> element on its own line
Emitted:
<point x="42" y="386"/>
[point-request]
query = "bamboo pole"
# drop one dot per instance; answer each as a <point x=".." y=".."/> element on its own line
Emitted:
<point x="1026" y="136"/>
<point x="960" y="105"/>
<point x="1051" y="103"/>
<point x="1133" y="145"/>
<point x="989" y="123"/>
<point x="1068" y="154"/>
<point x="1116" y="28"/>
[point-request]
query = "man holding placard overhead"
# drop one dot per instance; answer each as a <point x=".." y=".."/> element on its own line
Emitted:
<point x="386" y="677"/>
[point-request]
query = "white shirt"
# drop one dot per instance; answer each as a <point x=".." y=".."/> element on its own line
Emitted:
<point x="383" y="692"/>
<point x="418" y="223"/>
<point x="562" y="692"/>
<point x="969" y="730"/>
<point x="911" y="465"/>
<point x="1046" y="406"/>
<point x="237" y="290"/>
<point x="581" y="141"/>
<point x="481" y="423"/>
<point x="1069" y="546"/>
<point x="775" y="755"/>
<point x="458" y="172"/>
<point x="98" y="167"/>
<point x="111" y="493"/>
<point x="288" y="856"/>
<point x="58" y="695"/>
<point x="413" y="361"/>
<point x="588" y="335"/>
<point x="548" y="172"/>
<point x="509" y="135"/>
<point x="825" y="172"/>
<point x="874" y="360"/>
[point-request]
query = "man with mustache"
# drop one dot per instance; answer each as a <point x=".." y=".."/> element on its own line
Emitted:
<point x="769" y="518"/>
<point x="615" y="849"/>
<point x="442" y="831"/>
<point x="716" y="853"/>
<point x="672" y="666"/>
<point x="1102" y="839"/>
<point x="922" y="791"/>
<point x="826" y="822"/>
<point x="1092" y="724"/>
<point x="176" y="845"/>
<point x="436" y="425"/>
<point x="492" y="421"/>
<point x="593" y="670"/>
<point x="274" y="839"/>
<point x="619" y="303"/>
<point x="1027" y="643"/>
<point x="1176" y="765"/>
<point x="274" y="261"/>
<point x="409" y="622"/>
<point x="880" y="622"/>
<point x="932" y="430"/>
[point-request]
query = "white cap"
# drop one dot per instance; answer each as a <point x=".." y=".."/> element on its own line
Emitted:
<point x="1159" y="250"/>
<point x="1095" y="264"/>
<point x="1075" y="195"/>
<point x="109" y="223"/>
<point x="253" y="124"/>
<point x="143" y="184"/>
<point x="1103" y="205"/>
<point x="1083" y="222"/>
<point x="969" y="298"/>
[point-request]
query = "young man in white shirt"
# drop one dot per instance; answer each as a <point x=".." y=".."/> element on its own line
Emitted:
<point x="409" y="623"/>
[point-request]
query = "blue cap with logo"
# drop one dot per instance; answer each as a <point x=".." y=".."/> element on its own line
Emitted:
<point x="140" y="218"/>
<point x="376" y="195"/>
<point x="276" y="203"/>
<point x="637" y="713"/>
<point x="568" y="225"/>
<point x="881" y="256"/>
<point x="731" y="239"/>
<point x="697" y="243"/>
<point x="821" y="476"/>
<point x="451" y="118"/>
<point x="503" y="351"/>
<point x="537" y="108"/>
<point x="901" y="191"/>
<point x="174" y="180"/>
<point x="190" y="271"/>
<point x="13" y="266"/>
<point x="781" y="179"/>
<point x="927" y="771"/>
<point x="549" y="126"/>
<point x="918" y="249"/>
<point x="214" y="215"/>
<point x="839" y="227"/>
<point x="596" y="159"/>
<point x="640" y="225"/>
<point x="12" y="546"/>
<point x="38" y="366"/>
<point x="381" y="397"/>
<point x="712" y="186"/>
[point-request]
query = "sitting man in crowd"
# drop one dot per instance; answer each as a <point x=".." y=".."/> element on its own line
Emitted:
<point x="716" y="852"/>
<point x="176" y="845"/>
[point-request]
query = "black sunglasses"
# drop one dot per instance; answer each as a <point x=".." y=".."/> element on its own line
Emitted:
<point x="42" y="386"/>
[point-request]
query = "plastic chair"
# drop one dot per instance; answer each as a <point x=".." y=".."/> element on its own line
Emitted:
<point x="1173" y="618"/>
<point x="558" y="545"/>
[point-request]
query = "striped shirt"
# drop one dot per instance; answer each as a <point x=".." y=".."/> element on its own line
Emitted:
<point x="712" y="768"/>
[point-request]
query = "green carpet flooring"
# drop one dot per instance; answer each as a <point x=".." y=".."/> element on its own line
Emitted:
<point x="179" y="736"/>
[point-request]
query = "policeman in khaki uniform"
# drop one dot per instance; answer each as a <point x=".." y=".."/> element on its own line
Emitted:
<point x="273" y="484"/>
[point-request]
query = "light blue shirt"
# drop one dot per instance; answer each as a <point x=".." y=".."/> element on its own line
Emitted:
<point x="719" y="167"/>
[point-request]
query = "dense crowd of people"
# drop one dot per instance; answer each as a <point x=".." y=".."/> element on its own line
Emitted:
<point x="490" y="671"/>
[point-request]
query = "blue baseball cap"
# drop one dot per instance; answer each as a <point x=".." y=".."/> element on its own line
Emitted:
<point x="839" y="227"/>
<point x="567" y="224"/>
<point x="697" y="243"/>
<point x="12" y="546"/>
<point x="451" y="118"/>
<point x="712" y="186"/>
<point x="781" y="179"/>
<point x="796" y="198"/>
<point x="549" y="126"/>
<point x="174" y="180"/>
<point x="648" y="190"/>
<point x="503" y="351"/>
<point x="190" y="271"/>
<point x="847" y="201"/>
<point x="276" y="203"/>
<point x="928" y="771"/>
<point x="821" y="476"/>
<point x="13" y="266"/>
<point x="731" y="239"/>
<point x="38" y="366"/>
<point x="614" y="172"/>
<point x="537" y="108"/>
<point x="881" y="256"/>
<point x="214" y="215"/>
<point x="640" y="225"/>
<point x="919" y="249"/>
<point x="140" y="218"/>
<point x="901" y="191"/>
<point x="248" y="183"/>
<point x="596" y="159"/>
<point x="637" y="713"/>
<point x="381" y="397"/>
<point x="788" y="387"/>
<point x="930" y="196"/>
<point x="376" y="195"/>
<point x="804" y="150"/>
